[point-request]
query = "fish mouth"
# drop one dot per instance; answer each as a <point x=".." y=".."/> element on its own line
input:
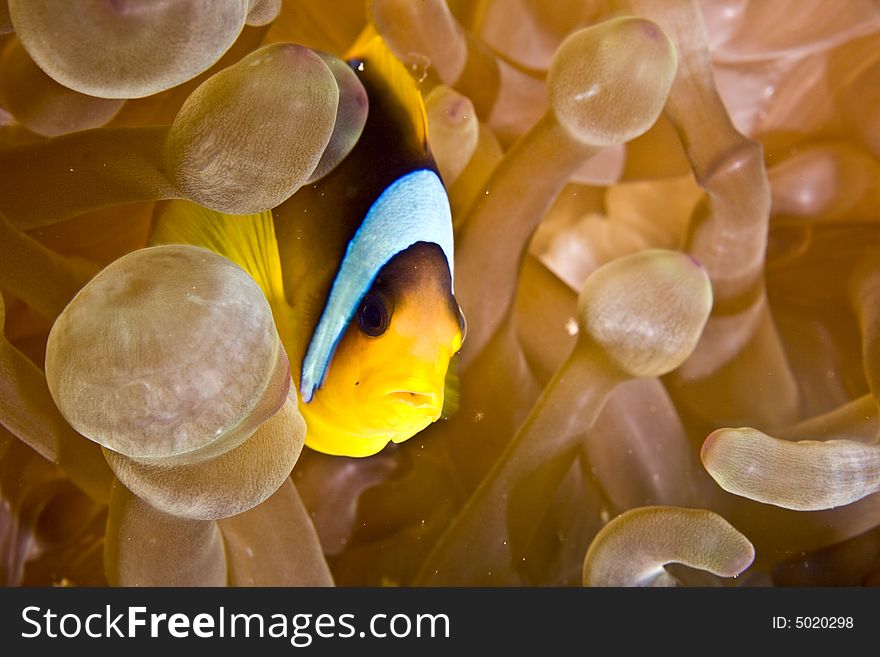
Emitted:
<point x="415" y="393"/>
<point x="414" y="398"/>
<point x="392" y="409"/>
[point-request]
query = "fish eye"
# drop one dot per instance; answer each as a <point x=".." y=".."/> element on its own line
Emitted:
<point x="373" y="315"/>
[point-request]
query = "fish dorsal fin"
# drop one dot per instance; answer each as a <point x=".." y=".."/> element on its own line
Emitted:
<point x="371" y="51"/>
<point x="247" y="240"/>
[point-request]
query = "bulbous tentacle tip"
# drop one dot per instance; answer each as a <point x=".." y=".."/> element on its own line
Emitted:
<point x="262" y="12"/>
<point x="454" y="131"/>
<point x="43" y="105"/>
<point x="222" y="486"/>
<point x="608" y="83"/>
<point x="351" y="115"/>
<point x="805" y="475"/>
<point x="107" y="49"/>
<point x="248" y="137"/>
<point x="646" y="311"/>
<point x="170" y="351"/>
<point x="634" y="548"/>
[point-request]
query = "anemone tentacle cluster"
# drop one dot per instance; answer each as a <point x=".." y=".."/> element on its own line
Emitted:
<point x="667" y="250"/>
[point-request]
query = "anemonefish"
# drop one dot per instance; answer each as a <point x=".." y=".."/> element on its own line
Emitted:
<point x="358" y="270"/>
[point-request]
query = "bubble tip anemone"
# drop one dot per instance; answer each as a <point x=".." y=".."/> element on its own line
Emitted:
<point x="122" y="359"/>
<point x="275" y="112"/>
<point x="804" y="475"/>
<point x="103" y="49"/>
<point x="634" y="548"/>
<point x="608" y="83"/>
<point x="646" y="311"/>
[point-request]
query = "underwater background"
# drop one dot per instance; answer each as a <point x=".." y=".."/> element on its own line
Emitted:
<point x="666" y="253"/>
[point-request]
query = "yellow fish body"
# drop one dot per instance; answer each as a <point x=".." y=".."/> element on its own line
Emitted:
<point x="358" y="269"/>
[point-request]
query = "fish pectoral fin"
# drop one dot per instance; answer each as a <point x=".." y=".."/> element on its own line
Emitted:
<point x="451" y="390"/>
<point x="247" y="240"/>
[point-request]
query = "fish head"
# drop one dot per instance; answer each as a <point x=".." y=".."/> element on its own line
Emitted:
<point x="386" y="379"/>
